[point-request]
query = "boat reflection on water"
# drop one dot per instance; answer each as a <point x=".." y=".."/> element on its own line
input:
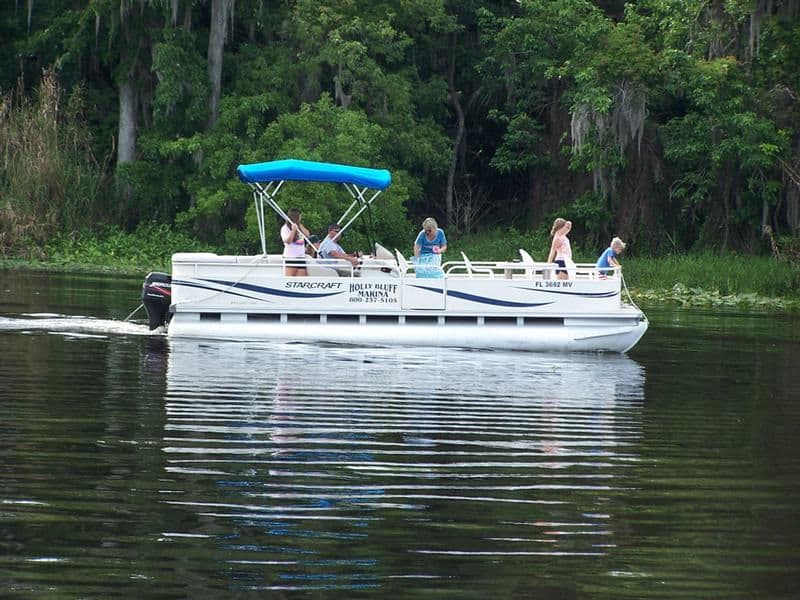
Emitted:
<point x="344" y="462"/>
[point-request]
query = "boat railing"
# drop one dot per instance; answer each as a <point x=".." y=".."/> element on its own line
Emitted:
<point x="399" y="266"/>
<point x="520" y="270"/>
<point x="515" y="269"/>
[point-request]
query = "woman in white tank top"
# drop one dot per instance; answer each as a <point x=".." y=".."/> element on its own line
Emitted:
<point x="560" y="250"/>
<point x="294" y="245"/>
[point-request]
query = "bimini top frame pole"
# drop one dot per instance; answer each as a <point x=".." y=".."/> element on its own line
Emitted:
<point x="266" y="179"/>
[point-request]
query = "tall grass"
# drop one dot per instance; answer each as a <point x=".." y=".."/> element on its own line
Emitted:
<point x="727" y="275"/>
<point x="50" y="180"/>
<point x="731" y="274"/>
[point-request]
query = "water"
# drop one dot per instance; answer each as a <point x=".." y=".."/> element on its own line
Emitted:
<point x="135" y="467"/>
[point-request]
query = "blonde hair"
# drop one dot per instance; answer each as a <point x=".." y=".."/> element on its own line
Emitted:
<point x="430" y="222"/>
<point x="557" y="224"/>
<point x="618" y="242"/>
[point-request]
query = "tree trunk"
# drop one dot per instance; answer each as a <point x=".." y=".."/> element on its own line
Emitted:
<point x="126" y="144"/>
<point x="791" y="175"/>
<point x="724" y="179"/>
<point x="220" y="9"/>
<point x="793" y="209"/>
<point x="126" y="150"/>
<point x="451" y="170"/>
<point x="455" y="98"/>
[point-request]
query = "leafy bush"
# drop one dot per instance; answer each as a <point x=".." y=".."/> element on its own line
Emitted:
<point x="148" y="248"/>
<point x="498" y="244"/>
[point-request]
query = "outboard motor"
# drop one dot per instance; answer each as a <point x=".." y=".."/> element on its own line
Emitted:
<point x="156" y="297"/>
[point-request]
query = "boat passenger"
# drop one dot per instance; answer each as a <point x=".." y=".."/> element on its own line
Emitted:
<point x="560" y="249"/>
<point x="431" y="240"/>
<point x="608" y="259"/>
<point x="330" y="248"/>
<point x="313" y="246"/>
<point x="294" y="246"/>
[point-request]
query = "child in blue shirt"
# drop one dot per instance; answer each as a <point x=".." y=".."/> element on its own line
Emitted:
<point x="608" y="259"/>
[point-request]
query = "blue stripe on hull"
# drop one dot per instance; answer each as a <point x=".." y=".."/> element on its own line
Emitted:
<point x="178" y="282"/>
<point x="483" y="299"/>
<point x="576" y="294"/>
<point x="494" y="301"/>
<point x="233" y="285"/>
<point x="273" y="291"/>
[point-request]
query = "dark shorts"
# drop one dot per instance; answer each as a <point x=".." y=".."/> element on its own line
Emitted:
<point x="295" y="262"/>
<point x="561" y="263"/>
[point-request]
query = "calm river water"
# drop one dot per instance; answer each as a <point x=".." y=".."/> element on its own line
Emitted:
<point x="134" y="467"/>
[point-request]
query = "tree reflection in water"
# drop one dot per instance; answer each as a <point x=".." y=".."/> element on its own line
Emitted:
<point x="348" y="466"/>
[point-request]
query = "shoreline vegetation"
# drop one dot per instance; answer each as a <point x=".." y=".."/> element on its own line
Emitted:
<point x="672" y="124"/>
<point x="697" y="280"/>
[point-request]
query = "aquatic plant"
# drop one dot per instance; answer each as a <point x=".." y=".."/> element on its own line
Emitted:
<point x="692" y="296"/>
<point x="149" y="247"/>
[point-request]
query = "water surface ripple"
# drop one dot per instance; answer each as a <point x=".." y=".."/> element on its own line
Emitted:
<point x="364" y="447"/>
<point x="136" y="466"/>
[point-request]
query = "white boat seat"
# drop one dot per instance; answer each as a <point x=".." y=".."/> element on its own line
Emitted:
<point x="527" y="259"/>
<point x="471" y="269"/>
<point x="571" y="270"/>
<point x="342" y="266"/>
<point x="401" y="262"/>
<point x="382" y="253"/>
<point x="376" y="267"/>
<point x="315" y="269"/>
<point x="467" y="264"/>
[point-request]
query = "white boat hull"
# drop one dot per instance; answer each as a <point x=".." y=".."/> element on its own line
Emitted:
<point x="617" y="336"/>
<point x="507" y="306"/>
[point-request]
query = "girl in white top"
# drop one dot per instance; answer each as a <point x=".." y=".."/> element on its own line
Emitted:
<point x="294" y="245"/>
<point x="560" y="250"/>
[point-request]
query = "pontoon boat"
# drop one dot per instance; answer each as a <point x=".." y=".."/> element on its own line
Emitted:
<point x="388" y="299"/>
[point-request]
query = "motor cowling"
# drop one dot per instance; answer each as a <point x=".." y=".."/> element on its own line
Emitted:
<point x="156" y="297"/>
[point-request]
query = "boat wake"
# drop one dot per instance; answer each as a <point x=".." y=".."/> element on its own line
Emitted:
<point x="72" y="325"/>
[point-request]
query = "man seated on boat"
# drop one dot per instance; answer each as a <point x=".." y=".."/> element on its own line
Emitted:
<point x="313" y="247"/>
<point x="330" y="248"/>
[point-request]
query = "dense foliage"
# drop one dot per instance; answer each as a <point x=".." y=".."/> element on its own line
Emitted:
<point x="673" y="123"/>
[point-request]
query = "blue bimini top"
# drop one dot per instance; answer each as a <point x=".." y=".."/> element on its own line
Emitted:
<point x="305" y="170"/>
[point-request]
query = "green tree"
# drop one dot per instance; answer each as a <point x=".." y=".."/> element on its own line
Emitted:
<point x="667" y="121"/>
<point x="317" y="132"/>
<point x="365" y="55"/>
<point x="536" y="60"/>
<point x="717" y="124"/>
